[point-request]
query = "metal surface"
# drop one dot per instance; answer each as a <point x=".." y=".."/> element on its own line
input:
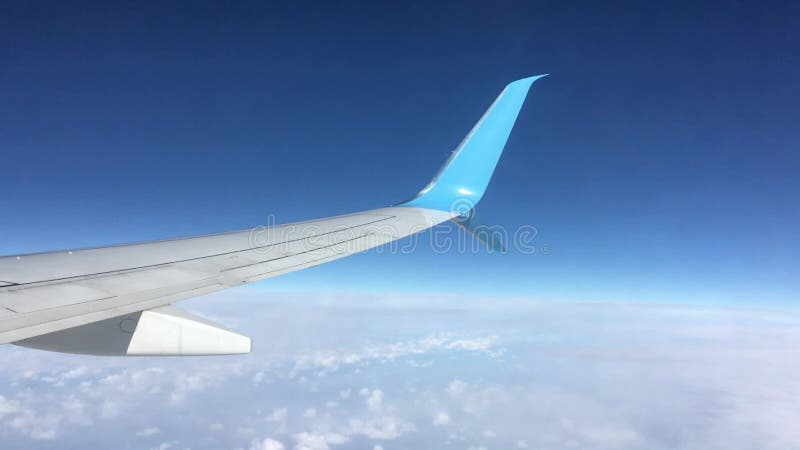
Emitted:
<point x="68" y="289"/>
<point x="164" y="331"/>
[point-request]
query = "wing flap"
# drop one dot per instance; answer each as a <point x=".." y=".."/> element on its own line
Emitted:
<point x="164" y="331"/>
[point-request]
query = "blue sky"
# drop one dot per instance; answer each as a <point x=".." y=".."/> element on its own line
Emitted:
<point x="658" y="161"/>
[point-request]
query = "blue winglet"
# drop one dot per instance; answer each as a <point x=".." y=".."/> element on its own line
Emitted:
<point x="462" y="180"/>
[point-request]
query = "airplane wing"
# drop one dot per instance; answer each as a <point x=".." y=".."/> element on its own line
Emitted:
<point x="117" y="300"/>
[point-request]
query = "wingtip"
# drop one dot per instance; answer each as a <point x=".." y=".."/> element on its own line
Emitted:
<point x="466" y="174"/>
<point x="528" y="80"/>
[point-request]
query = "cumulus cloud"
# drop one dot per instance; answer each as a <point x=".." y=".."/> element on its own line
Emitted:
<point x="441" y="418"/>
<point x="374" y="399"/>
<point x="267" y="444"/>
<point x="76" y="410"/>
<point x="456" y="388"/>
<point x="318" y="441"/>
<point x="147" y="432"/>
<point x="381" y="427"/>
<point x="258" y="378"/>
<point x="37" y="426"/>
<point x="278" y="415"/>
<point x="332" y="360"/>
<point x="7" y="406"/>
<point x="167" y="445"/>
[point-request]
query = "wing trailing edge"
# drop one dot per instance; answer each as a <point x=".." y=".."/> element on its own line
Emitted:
<point x="164" y="331"/>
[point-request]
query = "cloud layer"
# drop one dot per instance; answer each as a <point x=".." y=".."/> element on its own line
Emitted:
<point x="428" y="372"/>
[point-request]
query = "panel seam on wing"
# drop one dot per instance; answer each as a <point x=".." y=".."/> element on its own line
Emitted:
<point x="199" y="258"/>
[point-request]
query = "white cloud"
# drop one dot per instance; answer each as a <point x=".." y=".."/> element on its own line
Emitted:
<point x="441" y="418"/>
<point x="166" y="445"/>
<point x="267" y="444"/>
<point x="456" y="388"/>
<point x="147" y="432"/>
<point x="611" y="437"/>
<point x="76" y="410"/>
<point x="258" y="378"/>
<point x="192" y="383"/>
<point x="374" y="399"/>
<point x="318" y="441"/>
<point x="7" y="406"/>
<point x="310" y="413"/>
<point x="39" y="427"/>
<point x="332" y="360"/>
<point x="65" y="376"/>
<point x="278" y="415"/>
<point x="381" y="427"/>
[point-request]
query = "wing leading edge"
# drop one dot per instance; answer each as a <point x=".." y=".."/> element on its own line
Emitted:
<point x="73" y="301"/>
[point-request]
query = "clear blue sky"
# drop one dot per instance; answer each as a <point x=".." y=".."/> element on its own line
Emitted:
<point x="659" y="160"/>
